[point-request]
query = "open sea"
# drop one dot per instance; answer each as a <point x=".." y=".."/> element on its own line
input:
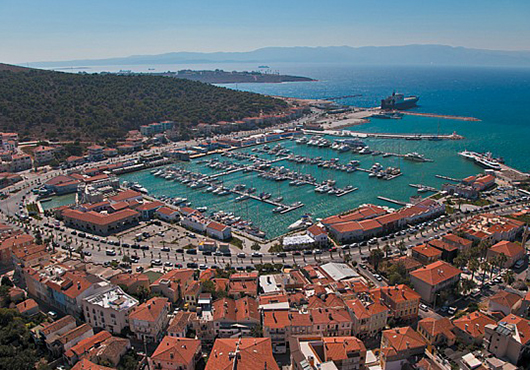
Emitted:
<point x="499" y="97"/>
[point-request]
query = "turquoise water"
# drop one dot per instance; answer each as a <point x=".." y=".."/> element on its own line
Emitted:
<point x="499" y="97"/>
<point x="318" y="205"/>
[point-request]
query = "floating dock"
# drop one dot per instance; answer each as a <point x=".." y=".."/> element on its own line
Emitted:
<point x="346" y="192"/>
<point x="269" y="201"/>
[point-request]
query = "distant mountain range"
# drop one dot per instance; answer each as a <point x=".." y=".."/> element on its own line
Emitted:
<point x="441" y="55"/>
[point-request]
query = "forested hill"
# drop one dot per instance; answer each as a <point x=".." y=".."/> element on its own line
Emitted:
<point x="42" y="104"/>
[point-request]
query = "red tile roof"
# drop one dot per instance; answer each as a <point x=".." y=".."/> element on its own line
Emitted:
<point x="508" y="248"/>
<point x="100" y="218"/>
<point x="177" y="351"/>
<point x="254" y="353"/>
<point x="151" y="310"/>
<point x="27" y="305"/>
<point x="506" y="299"/>
<point x="402" y="340"/>
<point x="436" y="273"/>
<point x="427" y="251"/>
<point x="473" y="324"/>
<point x="124" y="195"/>
<point x="86" y="344"/>
<point x="341" y="348"/>
<point x="85" y="364"/>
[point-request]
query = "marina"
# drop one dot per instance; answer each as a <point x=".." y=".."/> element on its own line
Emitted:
<point x="272" y="185"/>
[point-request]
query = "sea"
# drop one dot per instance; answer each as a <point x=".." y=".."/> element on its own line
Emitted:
<point x="499" y="97"/>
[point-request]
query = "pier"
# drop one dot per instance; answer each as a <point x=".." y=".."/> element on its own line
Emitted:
<point x="346" y="192"/>
<point x="269" y="201"/>
<point x="447" y="178"/>
<point x="392" y="201"/>
<point x="343" y="133"/>
<point x="442" y="116"/>
<point x="428" y="188"/>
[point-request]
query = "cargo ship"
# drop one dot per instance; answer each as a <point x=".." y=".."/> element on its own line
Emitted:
<point x="399" y="101"/>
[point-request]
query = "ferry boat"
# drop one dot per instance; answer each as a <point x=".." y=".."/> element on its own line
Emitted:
<point x="399" y="101"/>
<point x="485" y="160"/>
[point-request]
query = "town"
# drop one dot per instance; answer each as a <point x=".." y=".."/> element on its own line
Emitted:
<point x="123" y="279"/>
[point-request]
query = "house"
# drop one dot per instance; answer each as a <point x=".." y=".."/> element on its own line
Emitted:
<point x="487" y="226"/>
<point x="218" y="231"/>
<point x="126" y="195"/>
<point x="449" y="251"/>
<point x="461" y="243"/>
<point x="437" y="332"/>
<point x="62" y="343"/>
<point x="173" y="284"/>
<point x="167" y="214"/>
<point x="242" y="353"/>
<point x="513" y="252"/>
<point x="61" y="287"/>
<point x="368" y="318"/>
<point x="398" y="346"/>
<point x="50" y="332"/>
<point x="132" y="282"/>
<point x="11" y="243"/>
<point x="99" y="347"/>
<point x="402" y="301"/>
<point x="470" y="328"/>
<point x="181" y="322"/>
<point x="148" y="321"/>
<point x="235" y="317"/>
<point x="314" y="352"/>
<point x="28" y="307"/>
<point x="243" y="283"/>
<point x="426" y="254"/>
<point x="85" y="364"/>
<point x="109" y="310"/>
<point x="509" y="338"/>
<point x="504" y="301"/>
<point x="428" y="281"/>
<point x="176" y="353"/>
<point x="95" y="153"/>
<point x="43" y="154"/>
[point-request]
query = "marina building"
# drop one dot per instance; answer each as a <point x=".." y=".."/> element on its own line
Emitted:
<point x="100" y="223"/>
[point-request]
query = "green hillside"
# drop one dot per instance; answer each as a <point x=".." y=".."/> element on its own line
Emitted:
<point x="53" y="105"/>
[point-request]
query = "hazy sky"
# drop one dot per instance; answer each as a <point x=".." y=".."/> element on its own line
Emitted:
<point x="44" y="30"/>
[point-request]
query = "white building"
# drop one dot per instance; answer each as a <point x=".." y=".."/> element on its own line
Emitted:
<point x="109" y="310"/>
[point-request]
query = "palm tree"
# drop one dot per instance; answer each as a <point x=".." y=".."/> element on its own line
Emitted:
<point x="473" y="266"/>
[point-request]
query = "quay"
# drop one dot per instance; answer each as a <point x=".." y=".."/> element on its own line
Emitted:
<point x="442" y="116"/>
<point x="420" y="186"/>
<point x="447" y="178"/>
<point x="392" y="201"/>
<point x="343" y="133"/>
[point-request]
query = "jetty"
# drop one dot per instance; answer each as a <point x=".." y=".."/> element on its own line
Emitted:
<point x="344" y="133"/>
<point x="426" y="187"/>
<point x="392" y="201"/>
<point x="442" y="116"/>
<point x="269" y="201"/>
<point x="447" y="178"/>
<point x="346" y="192"/>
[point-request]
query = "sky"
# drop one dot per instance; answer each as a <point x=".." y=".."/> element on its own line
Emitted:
<point x="56" y="30"/>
